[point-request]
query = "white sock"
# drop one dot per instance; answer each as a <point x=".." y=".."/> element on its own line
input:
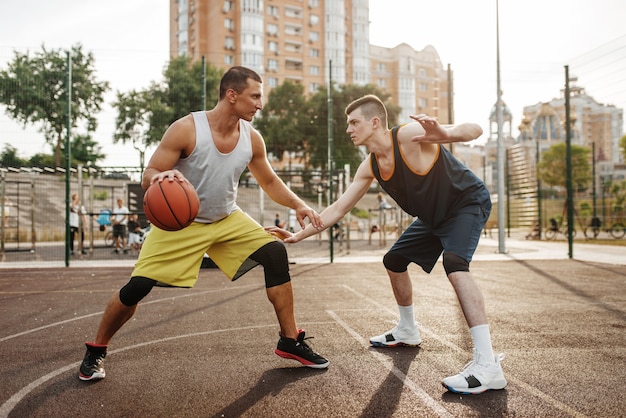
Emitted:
<point x="482" y="341"/>
<point x="407" y="319"/>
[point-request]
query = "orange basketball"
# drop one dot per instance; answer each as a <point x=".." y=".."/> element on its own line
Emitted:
<point x="171" y="205"/>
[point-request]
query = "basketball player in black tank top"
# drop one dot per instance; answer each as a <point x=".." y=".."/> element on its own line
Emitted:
<point x="451" y="205"/>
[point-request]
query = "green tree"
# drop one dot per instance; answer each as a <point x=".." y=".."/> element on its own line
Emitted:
<point x="132" y="123"/>
<point x="281" y="120"/>
<point x="622" y="146"/>
<point x="41" y="160"/>
<point x="553" y="166"/>
<point x="34" y="92"/>
<point x="9" y="157"/>
<point x="144" y="115"/>
<point x="182" y="91"/>
<point x="85" y="150"/>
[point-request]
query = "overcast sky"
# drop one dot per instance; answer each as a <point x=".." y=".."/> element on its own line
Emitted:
<point x="130" y="40"/>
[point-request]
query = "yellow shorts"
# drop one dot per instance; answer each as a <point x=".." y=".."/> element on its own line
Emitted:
<point x="174" y="257"/>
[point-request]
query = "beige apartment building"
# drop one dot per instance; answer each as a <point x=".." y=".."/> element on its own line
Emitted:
<point x="307" y="41"/>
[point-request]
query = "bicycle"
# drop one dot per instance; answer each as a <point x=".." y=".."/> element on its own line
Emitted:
<point x="555" y="229"/>
<point x="617" y="229"/>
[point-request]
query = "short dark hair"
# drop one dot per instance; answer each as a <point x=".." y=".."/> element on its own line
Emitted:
<point x="370" y="106"/>
<point x="236" y="78"/>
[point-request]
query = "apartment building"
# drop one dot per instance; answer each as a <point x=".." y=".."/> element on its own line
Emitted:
<point x="308" y="42"/>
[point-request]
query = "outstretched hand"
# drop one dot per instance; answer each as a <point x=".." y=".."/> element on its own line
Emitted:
<point x="282" y="234"/>
<point x="433" y="131"/>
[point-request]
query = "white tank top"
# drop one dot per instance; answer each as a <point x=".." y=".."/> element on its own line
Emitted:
<point x="215" y="175"/>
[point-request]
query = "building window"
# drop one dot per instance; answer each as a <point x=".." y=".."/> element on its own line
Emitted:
<point x="314" y="20"/>
<point x="381" y="67"/>
<point x="314" y="70"/>
<point x="273" y="11"/>
<point x="293" y="30"/>
<point x="272" y="46"/>
<point x="314" y="36"/>
<point x="314" y="52"/>
<point x="228" y="6"/>
<point x="272" y="65"/>
<point x="313" y="88"/>
<point x="293" y="12"/>
<point x="229" y="24"/>
<point x="272" y="29"/>
<point x="422" y="103"/>
<point x="382" y="83"/>
<point x="229" y="43"/>
<point x="272" y="82"/>
<point x="229" y="60"/>
<point x="314" y="3"/>
<point x="423" y="87"/>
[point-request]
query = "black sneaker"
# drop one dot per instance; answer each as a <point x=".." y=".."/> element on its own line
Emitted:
<point x="299" y="350"/>
<point x="91" y="368"/>
<point x="116" y="251"/>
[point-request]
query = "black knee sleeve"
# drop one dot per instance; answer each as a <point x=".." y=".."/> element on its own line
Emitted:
<point x="395" y="262"/>
<point x="453" y="263"/>
<point x="273" y="258"/>
<point x="136" y="289"/>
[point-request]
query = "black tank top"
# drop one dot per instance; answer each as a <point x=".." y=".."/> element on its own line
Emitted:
<point x="446" y="189"/>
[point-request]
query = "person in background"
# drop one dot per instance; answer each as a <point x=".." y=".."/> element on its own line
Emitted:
<point x="135" y="234"/>
<point x="78" y="221"/>
<point x="119" y="220"/>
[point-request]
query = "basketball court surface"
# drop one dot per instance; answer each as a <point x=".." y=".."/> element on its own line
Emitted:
<point x="208" y="351"/>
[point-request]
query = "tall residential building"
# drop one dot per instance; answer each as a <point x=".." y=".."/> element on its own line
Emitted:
<point x="307" y="42"/>
<point x="591" y="122"/>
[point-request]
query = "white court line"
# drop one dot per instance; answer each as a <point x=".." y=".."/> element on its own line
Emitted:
<point x="529" y="388"/>
<point x="421" y="394"/>
<point x="78" y="318"/>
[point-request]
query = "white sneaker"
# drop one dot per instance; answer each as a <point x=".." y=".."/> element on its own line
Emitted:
<point x="398" y="337"/>
<point x="478" y="376"/>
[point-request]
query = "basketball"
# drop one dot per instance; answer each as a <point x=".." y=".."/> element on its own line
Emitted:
<point x="171" y="205"/>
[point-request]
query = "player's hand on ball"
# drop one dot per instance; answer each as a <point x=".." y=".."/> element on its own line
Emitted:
<point x="169" y="175"/>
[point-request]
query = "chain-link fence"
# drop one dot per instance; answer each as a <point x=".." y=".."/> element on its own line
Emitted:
<point x="36" y="202"/>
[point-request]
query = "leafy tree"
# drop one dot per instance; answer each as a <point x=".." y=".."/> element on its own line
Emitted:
<point x="622" y="146"/>
<point x="9" y="158"/>
<point x="144" y="115"/>
<point x="85" y="150"/>
<point x="34" y="92"/>
<point x="41" y="160"/>
<point x="180" y="93"/>
<point x="282" y="119"/>
<point x="553" y="166"/>
<point x="132" y="123"/>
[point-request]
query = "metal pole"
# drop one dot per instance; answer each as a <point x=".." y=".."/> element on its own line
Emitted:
<point x="593" y="176"/>
<point x="68" y="157"/>
<point x="568" y="160"/>
<point x="539" y="214"/>
<point x="501" y="244"/>
<point x="450" y="104"/>
<point x="203" y="83"/>
<point x="330" y="149"/>
<point x="2" y="203"/>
